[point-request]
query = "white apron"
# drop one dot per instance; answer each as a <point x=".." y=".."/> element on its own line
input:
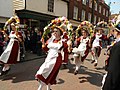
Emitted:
<point x="47" y="67"/>
<point x="5" y="55"/>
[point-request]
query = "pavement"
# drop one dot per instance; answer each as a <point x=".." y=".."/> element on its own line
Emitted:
<point x="22" y="75"/>
<point x="30" y="56"/>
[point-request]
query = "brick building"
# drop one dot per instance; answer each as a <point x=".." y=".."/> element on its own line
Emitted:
<point x="90" y="10"/>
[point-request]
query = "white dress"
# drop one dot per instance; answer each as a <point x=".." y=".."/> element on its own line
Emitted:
<point x="97" y="40"/>
<point x="52" y="63"/>
<point x="81" y="48"/>
<point x="5" y="56"/>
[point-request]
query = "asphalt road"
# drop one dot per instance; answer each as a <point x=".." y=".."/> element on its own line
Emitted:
<point x="21" y="76"/>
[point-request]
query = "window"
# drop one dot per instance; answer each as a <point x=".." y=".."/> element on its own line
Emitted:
<point x="84" y="2"/>
<point x="95" y="19"/>
<point x="75" y="13"/>
<point x="83" y="15"/>
<point x="99" y="9"/>
<point x="103" y="11"/>
<point x="90" y="3"/>
<point x="89" y="17"/>
<point x="96" y="6"/>
<point x="99" y="19"/>
<point x="106" y="13"/>
<point x="51" y="5"/>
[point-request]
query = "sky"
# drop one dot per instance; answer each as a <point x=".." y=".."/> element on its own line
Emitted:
<point x="114" y="6"/>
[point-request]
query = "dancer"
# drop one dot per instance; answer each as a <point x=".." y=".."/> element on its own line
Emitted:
<point x="96" y="41"/>
<point x="48" y="72"/>
<point x="83" y="46"/>
<point x="65" y="52"/>
<point x="11" y="54"/>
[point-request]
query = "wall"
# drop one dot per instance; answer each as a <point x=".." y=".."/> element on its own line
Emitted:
<point x="6" y="8"/>
<point x="41" y="6"/>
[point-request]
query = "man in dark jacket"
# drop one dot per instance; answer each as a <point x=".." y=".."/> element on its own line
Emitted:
<point x="112" y="81"/>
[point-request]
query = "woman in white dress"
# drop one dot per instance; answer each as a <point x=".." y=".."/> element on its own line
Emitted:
<point x="48" y="71"/>
<point x="97" y="44"/>
<point x="82" y="50"/>
<point x="11" y="55"/>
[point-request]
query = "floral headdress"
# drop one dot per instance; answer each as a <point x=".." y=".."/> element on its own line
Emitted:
<point x="86" y="25"/>
<point x="14" y="19"/>
<point x="111" y="26"/>
<point x="117" y="25"/>
<point x="61" y="22"/>
<point x="101" y="24"/>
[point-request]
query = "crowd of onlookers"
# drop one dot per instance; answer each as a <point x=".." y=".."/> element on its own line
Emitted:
<point x="31" y="41"/>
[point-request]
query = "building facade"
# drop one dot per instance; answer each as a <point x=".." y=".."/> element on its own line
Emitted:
<point x="38" y="13"/>
<point x="90" y="10"/>
<point x="34" y="13"/>
<point x="6" y="11"/>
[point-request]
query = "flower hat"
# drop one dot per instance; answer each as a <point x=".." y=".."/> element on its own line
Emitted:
<point x="60" y="22"/>
<point x="86" y="25"/>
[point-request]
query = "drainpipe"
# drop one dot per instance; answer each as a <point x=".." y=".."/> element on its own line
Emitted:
<point x="25" y="4"/>
<point x="92" y="20"/>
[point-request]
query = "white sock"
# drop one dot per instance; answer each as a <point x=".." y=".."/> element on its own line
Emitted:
<point x="5" y="68"/>
<point x="92" y="57"/>
<point x="48" y="87"/>
<point x="77" y="68"/>
<point x="40" y="86"/>
<point x="96" y="59"/>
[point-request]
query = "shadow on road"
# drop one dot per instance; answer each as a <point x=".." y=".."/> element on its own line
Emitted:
<point x="93" y="76"/>
<point x="23" y="71"/>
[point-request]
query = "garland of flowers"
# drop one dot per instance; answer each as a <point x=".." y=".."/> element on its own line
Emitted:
<point x="84" y="25"/>
<point x="110" y="25"/>
<point x="14" y="19"/>
<point x="102" y="24"/>
<point x="61" y="22"/>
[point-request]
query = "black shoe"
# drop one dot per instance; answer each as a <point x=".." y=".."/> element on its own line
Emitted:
<point x="75" y="72"/>
<point x="95" y="64"/>
<point x="1" y="66"/>
<point x="4" y="72"/>
<point x="93" y="61"/>
<point x="7" y="71"/>
<point x="65" y="66"/>
<point x="1" y="73"/>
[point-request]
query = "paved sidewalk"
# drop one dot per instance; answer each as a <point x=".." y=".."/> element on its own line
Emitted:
<point x="30" y="56"/>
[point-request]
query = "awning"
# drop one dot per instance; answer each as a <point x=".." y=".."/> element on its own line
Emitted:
<point x="33" y="15"/>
